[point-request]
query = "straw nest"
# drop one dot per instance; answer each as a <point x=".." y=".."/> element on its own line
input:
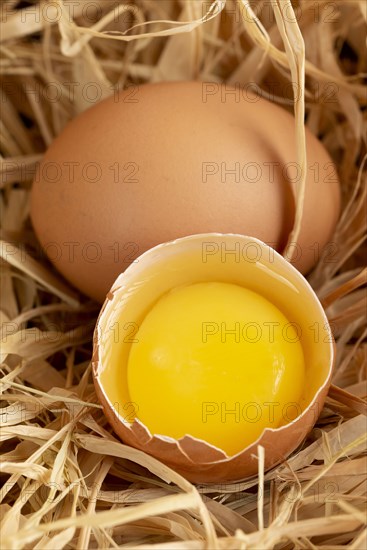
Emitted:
<point x="67" y="481"/>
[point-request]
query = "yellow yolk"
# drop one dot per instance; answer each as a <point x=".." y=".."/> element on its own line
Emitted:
<point x="218" y="362"/>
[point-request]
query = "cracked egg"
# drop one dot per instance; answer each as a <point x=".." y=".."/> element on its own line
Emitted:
<point x="208" y="346"/>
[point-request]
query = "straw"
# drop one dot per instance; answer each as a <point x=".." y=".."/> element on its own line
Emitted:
<point x="67" y="481"/>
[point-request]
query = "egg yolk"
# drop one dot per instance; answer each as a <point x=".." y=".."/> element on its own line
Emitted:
<point x="218" y="362"/>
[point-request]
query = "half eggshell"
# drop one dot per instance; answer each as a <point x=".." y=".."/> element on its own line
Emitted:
<point x="237" y="259"/>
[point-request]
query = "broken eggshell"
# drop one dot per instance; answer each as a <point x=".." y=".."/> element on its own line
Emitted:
<point x="237" y="259"/>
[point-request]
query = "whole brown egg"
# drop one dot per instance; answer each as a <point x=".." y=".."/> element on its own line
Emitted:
<point x="162" y="161"/>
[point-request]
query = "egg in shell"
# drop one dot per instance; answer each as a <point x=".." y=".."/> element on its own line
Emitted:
<point x="163" y="161"/>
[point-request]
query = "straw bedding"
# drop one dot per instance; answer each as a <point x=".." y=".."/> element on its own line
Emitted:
<point x="67" y="482"/>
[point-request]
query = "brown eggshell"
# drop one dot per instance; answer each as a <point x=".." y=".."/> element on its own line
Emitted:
<point x="180" y="261"/>
<point x="163" y="161"/>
